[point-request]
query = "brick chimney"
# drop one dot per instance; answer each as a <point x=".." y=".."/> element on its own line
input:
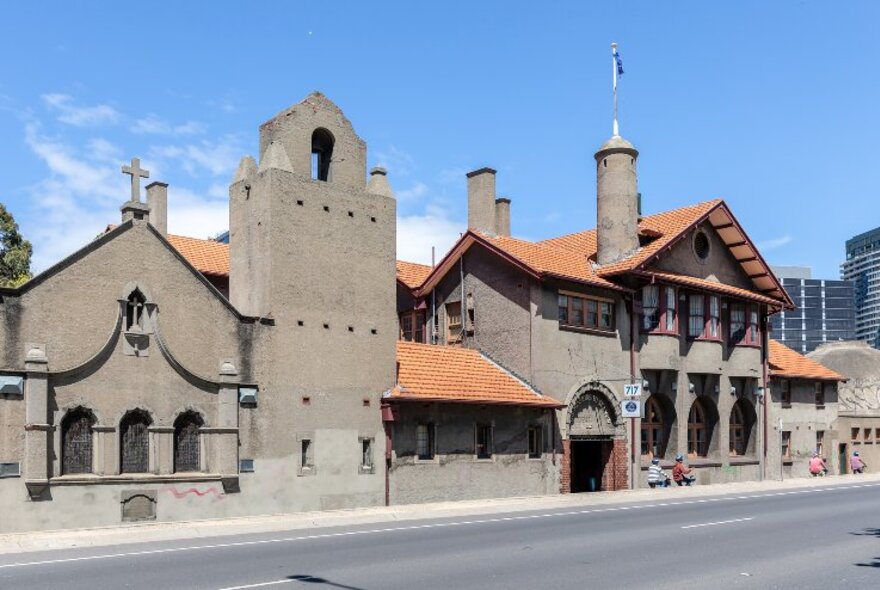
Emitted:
<point x="481" y="200"/>
<point x="157" y="200"/>
<point x="502" y="216"/>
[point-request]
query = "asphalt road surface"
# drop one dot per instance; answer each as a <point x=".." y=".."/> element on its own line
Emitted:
<point x="803" y="539"/>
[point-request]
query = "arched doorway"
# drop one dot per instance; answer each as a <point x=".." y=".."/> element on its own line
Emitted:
<point x="595" y="437"/>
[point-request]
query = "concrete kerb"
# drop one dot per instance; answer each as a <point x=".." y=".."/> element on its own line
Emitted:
<point x="198" y="529"/>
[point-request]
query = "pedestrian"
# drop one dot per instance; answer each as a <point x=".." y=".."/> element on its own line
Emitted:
<point x="680" y="473"/>
<point x="656" y="475"/>
<point x="856" y="463"/>
<point x="818" y="468"/>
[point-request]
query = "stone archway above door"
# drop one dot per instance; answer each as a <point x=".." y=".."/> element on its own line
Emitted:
<point x="593" y="413"/>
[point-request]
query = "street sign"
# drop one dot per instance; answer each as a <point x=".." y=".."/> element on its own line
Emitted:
<point x="631" y="408"/>
<point x="632" y="390"/>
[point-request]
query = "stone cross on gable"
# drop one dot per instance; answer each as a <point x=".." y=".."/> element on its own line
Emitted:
<point x="136" y="173"/>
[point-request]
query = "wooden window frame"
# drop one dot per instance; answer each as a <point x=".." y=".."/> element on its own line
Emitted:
<point x="752" y="330"/>
<point x="418" y="322"/>
<point x="184" y="455"/>
<point x="134" y="450"/>
<point x="855" y="434"/>
<point x="737" y="435"/>
<point x="820" y="442"/>
<point x="819" y="392"/>
<point x="653" y="430"/>
<point x="705" y="334"/>
<point x="663" y="311"/>
<point x="785" y="443"/>
<point x="697" y="448"/>
<point x="535" y="442"/>
<point x="585" y="303"/>
<point x="431" y="441"/>
<point x="453" y="321"/>
<point x="483" y="451"/>
<point x="70" y="462"/>
<point x="785" y="393"/>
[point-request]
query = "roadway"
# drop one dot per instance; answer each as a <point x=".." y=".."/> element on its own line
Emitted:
<point x="826" y="537"/>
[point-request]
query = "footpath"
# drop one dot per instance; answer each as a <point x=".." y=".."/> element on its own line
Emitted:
<point x="270" y="523"/>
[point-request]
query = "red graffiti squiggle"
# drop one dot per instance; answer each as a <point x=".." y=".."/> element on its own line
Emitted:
<point x="183" y="493"/>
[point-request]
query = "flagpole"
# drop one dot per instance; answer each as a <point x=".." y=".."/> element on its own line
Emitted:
<point x="614" y="77"/>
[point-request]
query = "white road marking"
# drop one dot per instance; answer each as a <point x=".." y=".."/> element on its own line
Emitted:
<point x="262" y="584"/>
<point x="702" y="524"/>
<point x="419" y="527"/>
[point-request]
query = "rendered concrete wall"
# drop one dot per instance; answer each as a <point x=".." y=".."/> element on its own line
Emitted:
<point x="455" y="473"/>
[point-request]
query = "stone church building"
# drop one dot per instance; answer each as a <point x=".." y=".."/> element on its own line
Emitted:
<point x="301" y="367"/>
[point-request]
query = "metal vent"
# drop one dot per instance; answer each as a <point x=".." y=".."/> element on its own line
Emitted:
<point x="10" y="469"/>
<point x="247" y="395"/>
<point x="246" y="466"/>
<point x="11" y="385"/>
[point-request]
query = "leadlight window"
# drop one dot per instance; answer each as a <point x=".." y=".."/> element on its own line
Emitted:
<point x="714" y="318"/>
<point x="650" y="307"/>
<point x="425" y="441"/>
<point x="187" y="443"/>
<point x="670" y="309"/>
<point x="696" y="316"/>
<point x="134" y="438"/>
<point x="412" y="326"/>
<point x="745" y="326"/>
<point x="484" y="441"/>
<point x="819" y="390"/>
<point x="584" y="312"/>
<point x="536" y="442"/>
<point x="786" y="393"/>
<point x="653" y="432"/>
<point x="737" y="322"/>
<point x="737" y="430"/>
<point x="77" y="442"/>
<point x="698" y="431"/>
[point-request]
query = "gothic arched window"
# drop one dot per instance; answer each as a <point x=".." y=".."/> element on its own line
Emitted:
<point x="76" y="442"/>
<point x="187" y="446"/>
<point x="134" y="442"/>
<point x="134" y="311"/>
<point x="653" y="429"/>
<point x="741" y="423"/>
<point x="698" y="430"/>
<point x="322" y="154"/>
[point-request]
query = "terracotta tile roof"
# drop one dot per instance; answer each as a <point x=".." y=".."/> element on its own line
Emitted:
<point x="411" y="274"/>
<point x="709" y="286"/>
<point x="670" y="225"/>
<point x="553" y="258"/>
<point x="207" y="256"/>
<point x="787" y="363"/>
<point x="437" y="373"/>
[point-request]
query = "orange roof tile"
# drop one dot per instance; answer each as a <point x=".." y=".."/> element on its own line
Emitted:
<point x="785" y="362"/>
<point x="411" y="274"/>
<point x="710" y="286"/>
<point x="437" y="373"/>
<point x="207" y="256"/>
<point x="670" y="225"/>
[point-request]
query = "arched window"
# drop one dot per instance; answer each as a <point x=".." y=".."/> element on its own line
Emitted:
<point x="187" y="446"/>
<point x="698" y="430"/>
<point x="653" y="429"/>
<point x="76" y="442"/>
<point x="134" y="312"/>
<point x="322" y="154"/>
<point x="742" y="419"/>
<point x="134" y="442"/>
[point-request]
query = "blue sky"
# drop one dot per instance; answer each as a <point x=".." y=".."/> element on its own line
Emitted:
<point x="770" y="105"/>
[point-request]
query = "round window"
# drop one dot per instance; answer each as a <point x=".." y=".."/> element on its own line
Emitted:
<point x="701" y="245"/>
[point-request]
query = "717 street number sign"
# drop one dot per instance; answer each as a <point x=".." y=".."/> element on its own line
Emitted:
<point x="632" y="390"/>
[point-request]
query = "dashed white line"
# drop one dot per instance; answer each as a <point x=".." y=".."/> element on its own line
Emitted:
<point x="420" y="527"/>
<point x="705" y="524"/>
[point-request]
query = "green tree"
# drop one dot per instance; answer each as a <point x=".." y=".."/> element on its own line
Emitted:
<point x="15" y="252"/>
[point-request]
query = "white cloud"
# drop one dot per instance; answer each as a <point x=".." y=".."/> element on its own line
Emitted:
<point x="416" y="191"/>
<point x="155" y="125"/>
<point x="774" y="243"/>
<point x="417" y="233"/>
<point x="192" y="214"/>
<point x="397" y="162"/>
<point x="80" y="116"/>
<point x="218" y="158"/>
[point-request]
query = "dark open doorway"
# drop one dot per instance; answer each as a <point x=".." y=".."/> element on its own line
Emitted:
<point x="588" y="461"/>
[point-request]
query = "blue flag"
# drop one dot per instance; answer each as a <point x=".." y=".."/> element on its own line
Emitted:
<point x="619" y="63"/>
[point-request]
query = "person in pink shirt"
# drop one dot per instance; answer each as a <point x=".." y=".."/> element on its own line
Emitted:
<point x="817" y="466"/>
<point x="856" y="463"/>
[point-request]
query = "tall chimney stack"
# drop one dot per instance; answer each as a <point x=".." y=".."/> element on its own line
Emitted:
<point x="157" y="199"/>
<point x="502" y="216"/>
<point x="481" y="200"/>
<point x="617" y="201"/>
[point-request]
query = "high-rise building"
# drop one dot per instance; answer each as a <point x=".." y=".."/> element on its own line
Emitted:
<point x="862" y="267"/>
<point x="825" y="310"/>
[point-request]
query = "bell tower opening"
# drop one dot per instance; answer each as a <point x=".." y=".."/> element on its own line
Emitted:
<point x="322" y="154"/>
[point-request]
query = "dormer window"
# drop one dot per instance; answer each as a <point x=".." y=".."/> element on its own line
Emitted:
<point x="322" y="154"/>
<point x="134" y="312"/>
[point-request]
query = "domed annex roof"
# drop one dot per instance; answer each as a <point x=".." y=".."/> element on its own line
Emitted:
<point x="860" y="364"/>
